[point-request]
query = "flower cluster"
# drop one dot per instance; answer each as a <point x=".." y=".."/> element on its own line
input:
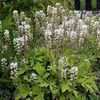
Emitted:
<point x="73" y="73"/>
<point x="14" y="69"/>
<point x="16" y="18"/>
<point x="33" y="76"/>
<point x="40" y="15"/>
<point x="19" y="43"/>
<point x="74" y="26"/>
<point x="23" y="27"/>
<point x="50" y="27"/>
<point x="70" y="73"/>
<point x="23" y="61"/>
<point x="63" y="61"/>
<point x="6" y="36"/>
<point x="4" y="48"/>
<point x="66" y="71"/>
<point x="3" y="63"/>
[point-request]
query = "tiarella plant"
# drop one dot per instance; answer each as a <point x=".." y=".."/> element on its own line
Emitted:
<point x="56" y="60"/>
<point x="43" y="77"/>
<point x="62" y="28"/>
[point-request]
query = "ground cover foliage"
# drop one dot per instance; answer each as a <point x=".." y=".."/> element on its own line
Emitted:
<point x="48" y="52"/>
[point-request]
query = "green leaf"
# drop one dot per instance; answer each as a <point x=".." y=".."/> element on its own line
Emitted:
<point x="26" y="78"/>
<point x="39" y="69"/>
<point x="53" y="68"/>
<point x="65" y="87"/>
<point x="44" y="84"/>
<point x="46" y="75"/>
<point x="21" y="71"/>
<point x="39" y="97"/>
<point x="70" y="97"/>
<point x="75" y="93"/>
<point x="88" y="87"/>
<point x="24" y="90"/>
<point x="62" y="97"/>
<point x="17" y="95"/>
<point x="81" y="97"/>
<point x="36" y="90"/>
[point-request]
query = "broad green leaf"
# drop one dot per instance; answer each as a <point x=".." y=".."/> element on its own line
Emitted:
<point x="75" y="93"/>
<point x="54" y="89"/>
<point x="53" y="68"/>
<point x="65" y="87"/>
<point x="36" y="90"/>
<point x="39" y="97"/>
<point x="89" y="88"/>
<point x="70" y="97"/>
<point x="62" y="97"/>
<point x="46" y="75"/>
<point x="17" y="96"/>
<point x="20" y="71"/>
<point x="24" y="90"/>
<point x="81" y="97"/>
<point x="26" y="77"/>
<point x="39" y="69"/>
<point x="44" y="84"/>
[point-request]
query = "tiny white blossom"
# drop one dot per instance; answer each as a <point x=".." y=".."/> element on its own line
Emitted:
<point x="40" y="14"/>
<point x="54" y="11"/>
<point x="63" y="61"/>
<point x="58" y="4"/>
<point x="64" y="72"/>
<point x="59" y="32"/>
<point x="15" y="15"/>
<point x="49" y="9"/>
<point x="49" y="26"/>
<point x="98" y="32"/>
<point x="74" y="70"/>
<point x="5" y="47"/>
<point x="15" y="12"/>
<point x="48" y="33"/>
<point x="27" y="27"/>
<point x="33" y="76"/>
<point x="4" y="62"/>
<point x="22" y="15"/>
<point x="13" y="65"/>
<point x="6" y="34"/>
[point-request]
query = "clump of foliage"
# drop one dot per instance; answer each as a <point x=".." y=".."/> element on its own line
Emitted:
<point x="53" y="59"/>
